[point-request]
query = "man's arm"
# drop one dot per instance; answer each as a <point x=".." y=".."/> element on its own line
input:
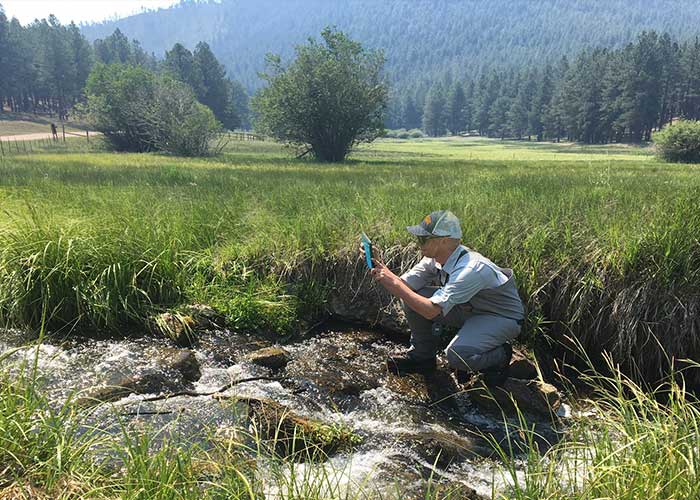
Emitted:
<point x="398" y="288"/>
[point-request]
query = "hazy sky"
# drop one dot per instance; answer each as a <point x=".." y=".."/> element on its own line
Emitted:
<point x="77" y="10"/>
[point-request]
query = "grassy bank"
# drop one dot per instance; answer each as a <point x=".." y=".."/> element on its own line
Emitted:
<point x="602" y="239"/>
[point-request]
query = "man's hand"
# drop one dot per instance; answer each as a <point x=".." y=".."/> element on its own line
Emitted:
<point x="385" y="277"/>
<point x="398" y="288"/>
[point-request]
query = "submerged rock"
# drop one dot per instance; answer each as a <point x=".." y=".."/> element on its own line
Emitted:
<point x="339" y="367"/>
<point x="180" y="360"/>
<point x="146" y="383"/>
<point x="270" y="357"/>
<point x="442" y="448"/>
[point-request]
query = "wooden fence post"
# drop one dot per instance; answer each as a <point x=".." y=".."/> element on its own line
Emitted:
<point x="87" y="136"/>
<point x="2" y="148"/>
<point x="64" y="132"/>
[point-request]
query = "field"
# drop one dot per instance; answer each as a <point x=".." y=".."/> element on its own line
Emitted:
<point x="603" y="241"/>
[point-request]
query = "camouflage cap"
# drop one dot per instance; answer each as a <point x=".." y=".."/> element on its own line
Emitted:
<point x="441" y="223"/>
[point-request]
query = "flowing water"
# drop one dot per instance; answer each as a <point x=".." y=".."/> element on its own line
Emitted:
<point x="412" y="428"/>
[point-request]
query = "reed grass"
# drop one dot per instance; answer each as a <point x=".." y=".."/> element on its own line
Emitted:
<point x="602" y="240"/>
<point x="627" y="442"/>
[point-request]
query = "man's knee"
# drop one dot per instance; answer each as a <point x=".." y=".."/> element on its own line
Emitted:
<point x="461" y="357"/>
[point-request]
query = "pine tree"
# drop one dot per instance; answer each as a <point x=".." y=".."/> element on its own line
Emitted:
<point x="412" y="117"/>
<point x="4" y="59"/>
<point x="81" y="54"/>
<point x="113" y="49"/>
<point x="216" y="93"/>
<point x="488" y="90"/>
<point x="179" y="62"/>
<point x="670" y="79"/>
<point x="469" y="106"/>
<point x="456" y="109"/>
<point x="690" y="88"/>
<point x="544" y="88"/>
<point x="434" y="112"/>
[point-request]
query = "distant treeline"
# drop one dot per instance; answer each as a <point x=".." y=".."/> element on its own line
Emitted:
<point x="45" y="65"/>
<point x="600" y="96"/>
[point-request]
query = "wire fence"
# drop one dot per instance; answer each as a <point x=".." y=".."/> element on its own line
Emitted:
<point x="17" y="145"/>
<point x="14" y="145"/>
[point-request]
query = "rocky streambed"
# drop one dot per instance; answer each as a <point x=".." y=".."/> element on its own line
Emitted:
<point x="389" y="436"/>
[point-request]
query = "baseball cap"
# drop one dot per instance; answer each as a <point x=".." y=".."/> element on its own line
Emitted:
<point x="440" y="223"/>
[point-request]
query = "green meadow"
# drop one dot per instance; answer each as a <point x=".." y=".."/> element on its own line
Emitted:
<point x="100" y="240"/>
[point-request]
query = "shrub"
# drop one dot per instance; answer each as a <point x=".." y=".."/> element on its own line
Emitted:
<point x="139" y="111"/>
<point x="679" y="142"/>
<point x="331" y="98"/>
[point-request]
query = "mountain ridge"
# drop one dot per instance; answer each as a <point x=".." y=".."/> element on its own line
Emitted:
<point x="423" y="40"/>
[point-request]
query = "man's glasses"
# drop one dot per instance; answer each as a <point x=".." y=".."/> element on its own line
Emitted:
<point x="422" y="240"/>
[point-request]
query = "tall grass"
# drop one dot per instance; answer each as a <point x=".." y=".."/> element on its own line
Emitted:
<point x="627" y="443"/>
<point x="603" y="240"/>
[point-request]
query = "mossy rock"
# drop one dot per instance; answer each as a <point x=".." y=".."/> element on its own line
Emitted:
<point x="289" y="435"/>
<point x="175" y="326"/>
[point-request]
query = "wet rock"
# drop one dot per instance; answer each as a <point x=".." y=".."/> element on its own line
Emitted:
<point x="420" y="480"/>
<point x="175" y="326"/>
<point x="180" y="360"/>
<point x="174" y="369"/>
<point x="522" y="367"/>
<point x="146" y="383"/>
<point x="225" y="347"/>
<point x="455" y="489"/>
<point x="531" y="396"/>
<point x="368" y="309"/>
<point x="290" y="435"/>
<point x="270" y="357"/>
<point x="343" y="366"/>
<point x="432" y="388"/>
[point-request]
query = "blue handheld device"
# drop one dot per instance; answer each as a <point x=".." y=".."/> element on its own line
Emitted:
<point x="367" y="245"/>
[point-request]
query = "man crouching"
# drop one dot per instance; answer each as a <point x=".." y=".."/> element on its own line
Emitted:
<point x="455" y="286"/>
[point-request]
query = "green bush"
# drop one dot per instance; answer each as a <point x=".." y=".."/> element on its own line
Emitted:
<point x="140" y="111"/>
<point x="679" y="142"/>
<point x="331" y="98"/>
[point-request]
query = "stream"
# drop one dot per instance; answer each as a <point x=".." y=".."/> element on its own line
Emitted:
<point x="413" y="428"/>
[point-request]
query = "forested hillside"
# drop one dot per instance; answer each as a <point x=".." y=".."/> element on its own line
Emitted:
<point x="424" y="39"/>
